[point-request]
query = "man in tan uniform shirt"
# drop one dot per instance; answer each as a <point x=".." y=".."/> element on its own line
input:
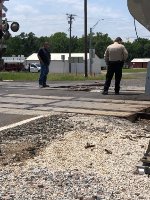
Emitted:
<point x="114" y="56"/>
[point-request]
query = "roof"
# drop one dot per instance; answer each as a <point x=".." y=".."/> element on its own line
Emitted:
<point x="58" y="56"/>
<point x="140" y="60"/>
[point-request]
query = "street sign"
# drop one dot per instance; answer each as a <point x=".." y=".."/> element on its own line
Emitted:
<point x="4" y="8"/>
<point x="140" y="10"/>
<point x="76" y="59"/>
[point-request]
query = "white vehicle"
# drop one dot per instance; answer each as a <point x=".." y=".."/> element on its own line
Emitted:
<point x="34" y="67"/>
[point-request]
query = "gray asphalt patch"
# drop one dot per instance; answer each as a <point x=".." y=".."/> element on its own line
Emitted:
<point x="7" y="119"/>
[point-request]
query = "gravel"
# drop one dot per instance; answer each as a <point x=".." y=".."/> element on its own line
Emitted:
<point x="74" y="156"/>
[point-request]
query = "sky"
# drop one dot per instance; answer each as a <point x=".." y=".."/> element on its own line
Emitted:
<point x="46" y="17"/>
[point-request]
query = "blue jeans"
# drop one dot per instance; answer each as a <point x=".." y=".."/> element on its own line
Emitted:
<point x="43" y="75"/>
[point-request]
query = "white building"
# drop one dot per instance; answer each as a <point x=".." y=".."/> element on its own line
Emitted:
<point x="15" y="63"/>
<point x="14" y="59"/>
<point x="59" y="63"/>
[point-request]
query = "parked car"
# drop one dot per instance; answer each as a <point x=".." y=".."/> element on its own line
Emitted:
<point x="34" y="67"/>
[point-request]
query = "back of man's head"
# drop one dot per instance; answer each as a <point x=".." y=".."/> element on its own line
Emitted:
<point x="46" y="45"/>
<point x="118" y="39"/>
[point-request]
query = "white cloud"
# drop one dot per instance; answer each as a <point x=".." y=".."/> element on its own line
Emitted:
<point x="26" y="9"/>
<point x="48" y="16"/>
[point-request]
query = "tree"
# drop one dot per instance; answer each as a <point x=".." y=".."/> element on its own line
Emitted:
<point x="130" y="49"/>
<point x="140" y="48"/>
<point x="29" y="44"/>
<point x="146" y="53"/>
<point x="13" y="46"/>
<point x="59" y="43"/>
<point x="100" y="42"/>
<point x="80" y="45"/>
<point x="23" y="44"/>
<point x="26" y="44"/>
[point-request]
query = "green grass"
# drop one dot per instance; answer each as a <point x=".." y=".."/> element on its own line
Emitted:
<point x="18" y="76"/>
<point x="131" y="70"/>
<point x="27" y="76"/>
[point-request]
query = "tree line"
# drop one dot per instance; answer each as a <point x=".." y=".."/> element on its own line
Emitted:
<point x="26" y="44"/>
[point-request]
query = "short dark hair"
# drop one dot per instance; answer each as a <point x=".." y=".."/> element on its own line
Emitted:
<point x="46" y="43"/>
<point x="118" y="39"/>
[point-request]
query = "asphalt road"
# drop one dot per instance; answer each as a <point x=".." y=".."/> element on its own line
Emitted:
<point x="131" y="89"/>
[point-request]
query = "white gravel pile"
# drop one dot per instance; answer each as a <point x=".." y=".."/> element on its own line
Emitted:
<point x="96" y="156"/>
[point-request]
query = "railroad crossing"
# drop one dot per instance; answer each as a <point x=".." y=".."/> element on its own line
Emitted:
<point x="21" y="101"/>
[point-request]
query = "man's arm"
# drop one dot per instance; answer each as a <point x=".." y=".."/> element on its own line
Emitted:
<point x="106" y="56"/>
<point x="125" y="53"/>
<point x="39" y="57"/>
<point x="41" y="61"/>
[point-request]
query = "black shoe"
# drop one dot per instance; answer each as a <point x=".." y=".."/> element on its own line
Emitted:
<point x="40" y="86"/>
<point x="45" y="85"/>
<point x="117" y="93"/>
<point x="105" y="92"/>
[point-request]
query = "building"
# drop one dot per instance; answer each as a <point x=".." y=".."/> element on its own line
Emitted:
<point x="60" y="64"/>
<point x="139" y="62"/>
<point x="103" y="64"/>
<point x="13" y="63"/>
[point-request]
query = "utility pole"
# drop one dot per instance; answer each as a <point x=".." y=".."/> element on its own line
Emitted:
<point x="91" y="46"/>
<point x="1" y="15"/>
<point x="90" y="51"/>
<point x="85" y="37"/>
<point x="70" y="18"/>
<point x="1" y="33"/>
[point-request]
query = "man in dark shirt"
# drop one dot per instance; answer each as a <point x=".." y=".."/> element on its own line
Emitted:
<point x="45" y="58"/>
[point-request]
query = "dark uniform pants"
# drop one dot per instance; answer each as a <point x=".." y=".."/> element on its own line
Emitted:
<point x="114" y="67"/>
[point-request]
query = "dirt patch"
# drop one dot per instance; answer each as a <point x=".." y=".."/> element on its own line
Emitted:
<point x="26" y="141"/>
